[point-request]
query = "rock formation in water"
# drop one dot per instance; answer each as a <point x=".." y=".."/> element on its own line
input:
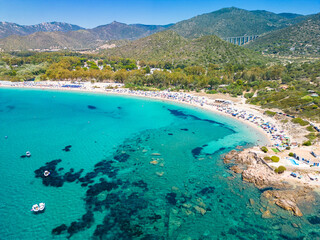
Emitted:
<point x="275" y="190"/>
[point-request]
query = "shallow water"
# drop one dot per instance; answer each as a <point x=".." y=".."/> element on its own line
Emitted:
<point x="130" y="168"/>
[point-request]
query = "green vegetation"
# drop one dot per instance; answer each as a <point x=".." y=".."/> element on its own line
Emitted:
<point x="307" y="143"/>
<point x="170" y="48"/>
<point x="290" y="154"/>
<point x="267" y="158"/>
<point x="300" y="121"/>
<point x="291" y="84"/>
<point x="270" y="113"/>
<point x="301" y="39"/>
<point x="312" y="136"/>
<point x="280" y="169"/>
<point x="311" y="129"/>
<point x="275" y="159"/>
<point x="233" y="22"/>
<point x="264" y="149"/>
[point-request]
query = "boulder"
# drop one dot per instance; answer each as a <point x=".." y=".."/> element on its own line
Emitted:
<point x="290" y="206"/>
<point x="154" y="162"/>
<point x="266" y="214"/>
<point x="200" y="210"/>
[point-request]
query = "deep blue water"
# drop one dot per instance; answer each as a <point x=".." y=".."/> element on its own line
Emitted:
<point x="126" y="168"/>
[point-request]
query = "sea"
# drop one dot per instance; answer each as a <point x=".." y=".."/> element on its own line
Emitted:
<point x="125" y="167"/>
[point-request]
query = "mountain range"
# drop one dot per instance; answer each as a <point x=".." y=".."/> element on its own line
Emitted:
<point x="81" y="39"/>
<point x="283" y="33"/>
<point x="7" y="29"/>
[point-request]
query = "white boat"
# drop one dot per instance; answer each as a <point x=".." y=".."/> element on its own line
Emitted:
<point x="35" y="208"/>
<point x="46" y="173"/>
<point x="42" y="206"/>
<point x="38" y="208"/>
<point x="28" y="154"/>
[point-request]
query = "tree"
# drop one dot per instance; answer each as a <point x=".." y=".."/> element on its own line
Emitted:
<point x="147" y="69"/>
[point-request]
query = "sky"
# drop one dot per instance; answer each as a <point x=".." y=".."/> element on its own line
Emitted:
<point x="92" y="13"/>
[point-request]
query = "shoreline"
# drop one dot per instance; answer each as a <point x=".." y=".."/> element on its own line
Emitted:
<point x="205" y="107"/>
<point x="248" y="162"/>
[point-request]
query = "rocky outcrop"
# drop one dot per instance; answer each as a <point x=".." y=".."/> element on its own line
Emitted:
<point x="257" y="172"/>
<point x="230" y="156"/>
<point x="236" y="169"/>
<point x="290" y="198"/>
<point x="289" y="206"/>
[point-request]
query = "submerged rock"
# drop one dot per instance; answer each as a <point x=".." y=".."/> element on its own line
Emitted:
<point x="267" y="214"/>
<point x="236" y="169"/>
<point x="290" y="206"/>
<point x="200" y="210"/>
<point x="154" y="162"/>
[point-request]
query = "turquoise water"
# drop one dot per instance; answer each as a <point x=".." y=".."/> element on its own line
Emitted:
<point x="136" y="169"/>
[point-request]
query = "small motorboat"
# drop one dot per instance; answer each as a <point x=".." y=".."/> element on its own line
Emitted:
<point x="28" y="154"/>
<point x="46" y="173"/>
<point x="38" y="208"/>
<point x="35" y="208"/>
<point x="42" y="206"/>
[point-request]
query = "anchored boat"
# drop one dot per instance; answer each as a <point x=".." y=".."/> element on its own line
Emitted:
<point x="38" y="208"/>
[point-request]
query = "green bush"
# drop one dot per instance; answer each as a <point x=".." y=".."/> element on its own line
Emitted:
<point x="310" y="129"/>
<point x="291" y="154"/>
<point x="267" y="158"/>
<point x="311" y="136"/>
<point x="248" y="95"/>
<point x="307" y="143"/>
<point x="212" y="92"/>
<point x="300" y="121"/>
<point x="270" y="113"/>
<point x="264" y="149"/>
<point x="288" y="148"/>
<point x="280" y="169"/>
<point x="275" y="159"/>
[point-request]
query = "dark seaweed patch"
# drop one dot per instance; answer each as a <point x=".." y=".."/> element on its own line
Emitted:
<point x="171" y="198"/>
<point x="314" y="220"/>
<point x="58" y="230"/>
<point x="196" y="151"/>
<point x="141" y="184"/>
<point x="154" y="217"/>
<point x="123" y="157"/>
<point x="85" y="222"/>
<point x="56" y="179"/>
<point x="67" y="148"/>
<point x="92" y="107"/>
<point x="97" y="188"/>
<point x="181" y="114"/>
<point x="207" y="190"/>
<point x="184" y="129"/>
